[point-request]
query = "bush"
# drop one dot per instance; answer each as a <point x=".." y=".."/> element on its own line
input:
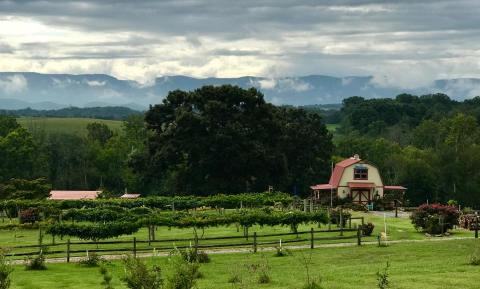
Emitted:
<point x="139" y="276"/>
<point x="36" y="263"/>
<point x="280" y="252"/>
<point x="356" y="207"/>
<point x="335" y="216"/>
<point x="92" y="260"/>
<point x="435" y="218"/>
<point x="382" y="278"/>
<point x="5" y="271"/>
<point x="185" y="273"/>
<point x="30" y="216"/>
<point x="107" y="278"/>
<point x="475" y="258"/>
<point x="468" y="221"/>
<point x="367" y="229"/>
<point x="194" y="255"/>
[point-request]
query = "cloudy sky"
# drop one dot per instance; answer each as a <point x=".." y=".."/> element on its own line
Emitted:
<point x="408" y="43"/>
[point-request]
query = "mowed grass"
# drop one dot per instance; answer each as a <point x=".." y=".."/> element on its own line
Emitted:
<point x="77" y="126"/>
<point x="426" y="265"/>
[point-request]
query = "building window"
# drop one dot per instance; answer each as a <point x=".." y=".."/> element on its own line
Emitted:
<point x="360" y="173"/>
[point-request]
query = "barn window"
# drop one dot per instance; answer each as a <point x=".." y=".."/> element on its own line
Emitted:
<point x="360" y="173"/>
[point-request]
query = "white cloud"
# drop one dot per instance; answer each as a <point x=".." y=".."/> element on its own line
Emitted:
<point x="95" y="83"/>
<point x="13" y="84"/>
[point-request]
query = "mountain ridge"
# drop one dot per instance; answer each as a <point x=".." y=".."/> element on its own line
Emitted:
<point x="53" y="91"/>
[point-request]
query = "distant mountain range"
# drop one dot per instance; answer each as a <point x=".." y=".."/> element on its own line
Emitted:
<point x="54" y="91"/>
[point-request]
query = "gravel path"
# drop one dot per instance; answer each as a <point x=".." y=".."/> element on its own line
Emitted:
<point x="249" y="250"/>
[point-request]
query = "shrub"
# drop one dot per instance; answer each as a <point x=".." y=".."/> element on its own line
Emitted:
<point x="356" y="207"/>
<point x="107" y="278"/>
<point x="30" y="216"/>
<point x="435" y="218"/>
<point x="5" y="271"/>
<point x="92" y="260"/>
<point x="475" y="258"/>
<point x="139" y="276"/>
<point x="194" y="255"/>
<point x="280" y="252"/>
<point x="367" y="229"/>
<point x="468" y="221"/>
<point x="36" y="263"/>
<point x="185" y="272"/>
<point x="335" y="216"/>
<point x="382" y="278"/>
<point x="261" y="270"/>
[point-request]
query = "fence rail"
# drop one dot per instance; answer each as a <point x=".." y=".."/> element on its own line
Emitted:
<point x="67" y="249"/>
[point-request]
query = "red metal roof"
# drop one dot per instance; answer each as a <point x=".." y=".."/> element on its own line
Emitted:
<point x="73" y="195"/>
<point x="130" y="196"/>
<point x="360" y="185"/>
<point x="322" y="187"/>
<point x="338" y="170"/>
<point x="398" y="188"/>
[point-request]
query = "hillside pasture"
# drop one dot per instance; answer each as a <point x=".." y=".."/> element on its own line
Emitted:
<point x="77" y="126"/>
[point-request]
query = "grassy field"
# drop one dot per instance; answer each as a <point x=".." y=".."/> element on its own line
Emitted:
<point x="426" y="265"/>
<point x="332" y="127"/>
<point x="63" y="125"/>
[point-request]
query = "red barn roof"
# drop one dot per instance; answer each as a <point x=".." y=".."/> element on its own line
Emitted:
<point x="73" y="195"/>
<point x="338" y="170"/>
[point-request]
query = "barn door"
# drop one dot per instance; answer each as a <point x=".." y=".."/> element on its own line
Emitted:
<point x="361" y="196"/>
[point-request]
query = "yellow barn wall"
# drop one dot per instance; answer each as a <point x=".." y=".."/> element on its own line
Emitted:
<point x="373" y="177"/>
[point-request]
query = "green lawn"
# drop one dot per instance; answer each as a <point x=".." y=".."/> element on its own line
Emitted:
<point x="63" y="125"/>
<point x="425" y="265"/>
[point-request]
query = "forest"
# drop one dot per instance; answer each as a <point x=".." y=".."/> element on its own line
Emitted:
<point x="225" y="139"/>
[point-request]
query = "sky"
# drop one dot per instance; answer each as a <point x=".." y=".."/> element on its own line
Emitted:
<point x="409" y="43"/>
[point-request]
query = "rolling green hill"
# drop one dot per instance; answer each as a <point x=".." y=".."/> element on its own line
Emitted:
<point x="64" y="125"/>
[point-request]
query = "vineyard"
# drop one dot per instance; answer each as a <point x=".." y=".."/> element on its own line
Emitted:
<point x="111" y="225"/>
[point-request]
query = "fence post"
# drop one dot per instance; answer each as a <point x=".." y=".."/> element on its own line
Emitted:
<point x="341" y="221"/>
<point x="254" y="242"/>
<point x="311" y="238"/>
<point x="329" y="220"/>
<point x="350" y="222"/>
<point x="476" y="227"/>
<point x="134" y="247"/>
<point x="68" y="251"/>
<point x="359" y="237"/>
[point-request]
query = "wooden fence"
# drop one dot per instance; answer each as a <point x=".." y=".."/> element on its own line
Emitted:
<point x="78" y="248"/>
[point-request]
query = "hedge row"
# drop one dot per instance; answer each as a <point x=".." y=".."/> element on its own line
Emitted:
<point x="129" y="225"/>
<point x="159" y="202"/>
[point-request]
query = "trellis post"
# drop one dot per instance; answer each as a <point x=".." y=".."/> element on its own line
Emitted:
<point x="476" y="226"/>
<point x="134" y="247"/>
<point x="254" y="242"/>
<point x="341" y="221"/>
<point x="311" y="238"/>
<point x="68" y="251"/>
<point x="359" y="236"/>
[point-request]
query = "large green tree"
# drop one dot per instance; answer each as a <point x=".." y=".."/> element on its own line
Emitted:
<point x="228" y="139"/>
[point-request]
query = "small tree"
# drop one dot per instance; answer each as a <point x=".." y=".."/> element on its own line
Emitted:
<point x="382" y="278"/>
<point x="139" y="276"/>
<point x="107" y="278"/>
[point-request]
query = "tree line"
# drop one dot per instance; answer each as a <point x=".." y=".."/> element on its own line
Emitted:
<point x="212" y="140"/>
<point x="429" y="143"/>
